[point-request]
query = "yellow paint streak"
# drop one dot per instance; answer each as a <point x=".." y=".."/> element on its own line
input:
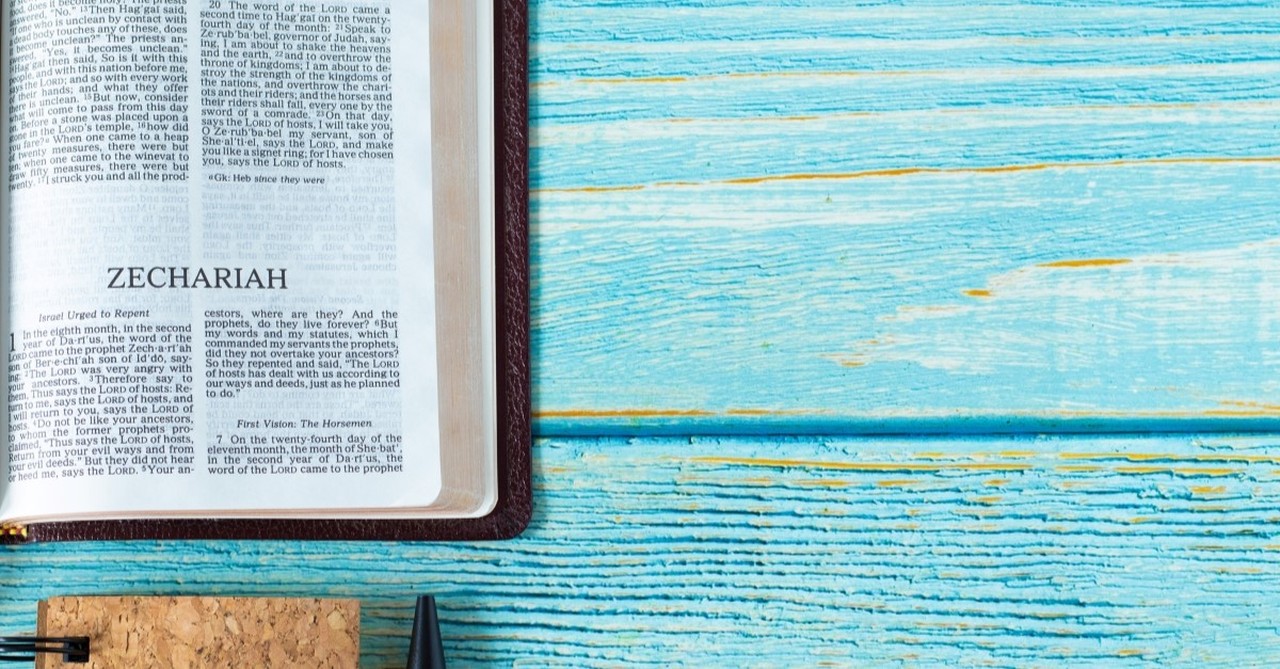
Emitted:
<point x="1239" y="570"/>
<point x="749" y="480"/>
<point x="800" y="118"/>
<point x="1209" y="508"/>
<point x="607" y="189"/>
<point x="1132" y="457"/>
<point x="634" y="80"/>
<point x="913" y="171"/>
<point x="1171" y="457"/>
<point x="1208" y="490"/>
<point x="1240" y="413"/>
<point x="1271" y="408"/>
<point x="1090" y="262"/>
<point x="1018" y="454"/>
<point x="990" y="499"/>
<point x="768" y="412"/>
<point x="897" y="483"/>
<point x="852" y="361"/>
<point x="623" y="413"/>
<point x="858" y="466"/>
<point x="673" y="413"/>
<point x="1130" y="652"/>
<point x="1181" y="471"/>
<point x="995" y="483"/>
<point x="978" y="293"/>
<point x="824" y="483"/>
<point x="1138" y="520"/>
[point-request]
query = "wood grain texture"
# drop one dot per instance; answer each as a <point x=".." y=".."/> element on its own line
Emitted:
<point x="927" y="217"/>
<point x="1011" y="552"/>
<point x="780" y="219"/>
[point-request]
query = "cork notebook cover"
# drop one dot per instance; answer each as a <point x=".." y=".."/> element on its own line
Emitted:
<point x="196" y="632"/>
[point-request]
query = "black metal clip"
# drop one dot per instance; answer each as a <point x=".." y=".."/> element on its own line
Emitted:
<point x="74" y="649"/>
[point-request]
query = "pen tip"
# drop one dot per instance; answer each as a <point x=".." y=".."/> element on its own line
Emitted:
<point x="426" y="649"/>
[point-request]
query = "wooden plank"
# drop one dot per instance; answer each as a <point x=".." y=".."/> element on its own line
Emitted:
<point x="851" y="217"/>
<point x="1089" y="551"/>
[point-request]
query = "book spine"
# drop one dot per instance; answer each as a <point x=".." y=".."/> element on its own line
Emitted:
<point x="11" y="534"/>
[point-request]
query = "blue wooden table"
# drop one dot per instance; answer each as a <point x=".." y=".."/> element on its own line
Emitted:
<point x="866" y="334"/>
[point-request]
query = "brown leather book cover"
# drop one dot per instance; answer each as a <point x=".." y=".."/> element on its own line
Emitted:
<point x="514" y="506"/>
<point x="161" y="632"/>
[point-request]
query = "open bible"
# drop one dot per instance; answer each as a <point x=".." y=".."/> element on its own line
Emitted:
<point x="264" y="269"/>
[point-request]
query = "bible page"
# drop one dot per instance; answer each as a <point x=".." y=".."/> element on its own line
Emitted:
<point x="222" y="277"/>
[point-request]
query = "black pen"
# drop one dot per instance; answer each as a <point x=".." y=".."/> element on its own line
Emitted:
<point x="426" y="650"/>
